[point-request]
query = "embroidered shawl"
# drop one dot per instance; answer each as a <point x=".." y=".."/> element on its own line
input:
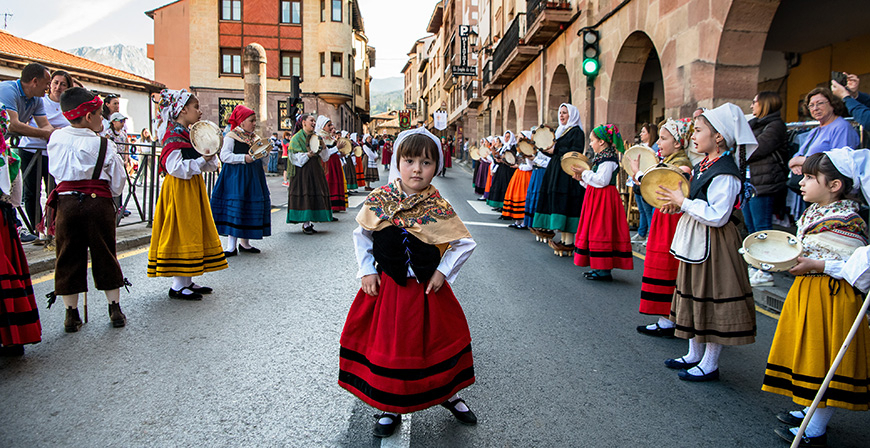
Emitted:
<point x="831" y="232"/>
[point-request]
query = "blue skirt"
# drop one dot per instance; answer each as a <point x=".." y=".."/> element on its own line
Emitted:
<point x="240" y="201"/>
<point x="532" y="195"/>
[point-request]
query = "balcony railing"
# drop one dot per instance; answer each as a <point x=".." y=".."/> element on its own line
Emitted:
<point x="512" y="38"/>
<point x="487" y="72"/>
<point x="534" y="8"/>
<point x="546" y="19"/>
<point x="471" y="91"/>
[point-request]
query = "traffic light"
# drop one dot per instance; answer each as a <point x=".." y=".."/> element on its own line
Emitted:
<point x="591" y="51"/>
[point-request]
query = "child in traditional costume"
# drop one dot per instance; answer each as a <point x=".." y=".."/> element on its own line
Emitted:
<point x="660" y="267"/>
<point x="349" y="167"/>
<point x="89" y="173"/>
<point x="603" y="241"/>
<point x="359" y="163"/>
<point x="820" y="309"/>
<point x="334" y="169"/>
<point x="406" y="345"/>
<point x="561" y="197"/>
<point x="713" y="303"/>
<point x="515" y="197"/>
<point x="502" y="173"/>
<point x="370" y="159"/>
<point x="240" y="201"/>
<point x="184" y="238"/>
<point x="19" y="317"/>
<point x="308" y="200"/>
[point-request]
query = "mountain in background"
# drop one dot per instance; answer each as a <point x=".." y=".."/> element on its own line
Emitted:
<point x="387" y="85"/>
<point x="387" y="101"/>
<point x="122" y="57"/>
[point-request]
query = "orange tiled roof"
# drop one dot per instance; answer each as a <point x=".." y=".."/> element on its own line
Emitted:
<point x="26" y="49"/>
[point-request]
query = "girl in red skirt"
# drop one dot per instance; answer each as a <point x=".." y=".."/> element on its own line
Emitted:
<point x="603" y="241"/>
<point x="660" y="267"/>
<point x="406" y="344"/>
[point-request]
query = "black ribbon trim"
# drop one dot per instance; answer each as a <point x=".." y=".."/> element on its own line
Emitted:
<point x="603" y="254"/>
<point x="710" y="299"/>
<point x="405" y="401"/>
<point x="656" y="297"/>
<point x="404" y="374"/>
<point x="809" y="394"/>
<point x="19" y="319"/>
<point x="658" y="281"/>
<point x="243" y="227"/>
<point x="818" y="379"/>
<point x="721" y="334"/>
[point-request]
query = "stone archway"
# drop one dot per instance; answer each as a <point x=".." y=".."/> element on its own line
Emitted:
<point x="559" y="92"/>
<point x="530" y="110"/>
<point x="637" y="73"/>
<point x="511" y="124"/>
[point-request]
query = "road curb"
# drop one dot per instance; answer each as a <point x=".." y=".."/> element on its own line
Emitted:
<point x="47" y="264"/>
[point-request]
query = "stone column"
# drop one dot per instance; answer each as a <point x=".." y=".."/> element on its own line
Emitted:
<point x="254" y="60"/>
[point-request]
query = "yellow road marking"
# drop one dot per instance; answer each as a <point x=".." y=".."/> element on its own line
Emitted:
<point x="121" y="256"/>
<point x="766" y="313"/>
<point x="639" y="255"/>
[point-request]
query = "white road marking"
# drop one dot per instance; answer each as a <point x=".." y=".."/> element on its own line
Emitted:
<point x="482" y="207"/>
<point x="486" y="224"/>
<point x="402" y="437"/>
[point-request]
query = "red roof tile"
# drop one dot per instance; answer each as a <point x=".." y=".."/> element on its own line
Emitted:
<point x="15" y="46"/>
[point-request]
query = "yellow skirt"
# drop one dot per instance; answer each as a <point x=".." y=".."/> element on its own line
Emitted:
<point x="815" y="320"/>
<point x="184" y="239"/>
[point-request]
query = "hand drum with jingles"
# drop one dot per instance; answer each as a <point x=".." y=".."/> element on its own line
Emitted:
<point x="771" y="250"/>
<point x="572" y="159"/>
<point x="647" y="160"/>
<point x="260" y="149"/>
<point x="314" y="144"/>
<point x="543" y="137"/>
<point x="206" y="137"/>
<point x="509" y="158"/>
<point x="526" y="147"/>
<point x="345" y="146"/>
<point x="662" y="175"/>
<point x="473" y="153"/>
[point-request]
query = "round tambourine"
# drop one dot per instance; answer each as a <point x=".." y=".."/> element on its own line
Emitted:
<point x="509" y="158"/>
<point x="543" y="137"/>
<point x="526" y="147"/>
<point x="358" y="151"/>
<point x="260" y="149"/>
<point x="345" y="146"/>
<point x="662" y="175"/>
<point x="206" y="137"/>
<point x="771" y="250"/>
<point x="473" y="153"/>
<point x="648" y="159"/>
<point x="574" y="158"/>
<point x="314" y="144"/>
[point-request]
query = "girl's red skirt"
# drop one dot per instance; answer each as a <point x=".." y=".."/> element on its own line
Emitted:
<point x="659" y="267"/>
<point x="19" y="317"/>
<point x="603" y="241"/>
<point x="405" y="350"/>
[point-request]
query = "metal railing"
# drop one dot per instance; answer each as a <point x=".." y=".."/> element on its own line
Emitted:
<point x="534" y="8"/>
<point x="141" y="190"/>
<point x="486" y="73"/>
<point x="809" y="125"/>
<point x="513" y="37"/>
<point x="471" y="90"/>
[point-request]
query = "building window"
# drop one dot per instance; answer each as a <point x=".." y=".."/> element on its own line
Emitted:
<point x="323" y="10"/>
<point x="336" y="64"/>
<point x="231" y="61"/>
<point x="336" y="10"/>
<point x="323" y="68"/>
<point x="291" y="12"/>
<point x="350" y="67"/>
<point x="291" y="64"/>
<point x="225" y="109"/>
<point x="231" y="10"/>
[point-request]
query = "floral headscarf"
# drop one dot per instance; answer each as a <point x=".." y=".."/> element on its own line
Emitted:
<point x="170" y="105"/>
<point x="681" y="130"/>
<point x="610" y="134"/>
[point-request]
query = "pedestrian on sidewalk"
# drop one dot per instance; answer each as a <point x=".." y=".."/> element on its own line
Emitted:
<point x="820" y="308"/>
<point x="660" y="267"/>
<point x="184" y="239"/>
<point x="19" y="317"/>
<point x="603" y="241"/>
<point x="406" y="345"/>
<point x="240" y="202"/>
<point x="713" y="304"/>
<point x="89" y="173"/>
<point x="308" y="200"/>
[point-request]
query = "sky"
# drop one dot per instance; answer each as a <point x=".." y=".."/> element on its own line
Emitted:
<point x="67" y="24"/>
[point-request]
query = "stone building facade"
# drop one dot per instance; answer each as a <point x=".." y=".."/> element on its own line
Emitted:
<point x="199" y="46"/>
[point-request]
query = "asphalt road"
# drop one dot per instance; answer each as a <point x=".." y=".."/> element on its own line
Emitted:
<point x="557" y="358"/>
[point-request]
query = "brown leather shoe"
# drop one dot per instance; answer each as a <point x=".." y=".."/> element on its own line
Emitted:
<point x="73" y="322"/>
<point x="116" y="315"/>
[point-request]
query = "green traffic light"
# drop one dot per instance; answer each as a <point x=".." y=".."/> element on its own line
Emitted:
<point x="590" y="67"/>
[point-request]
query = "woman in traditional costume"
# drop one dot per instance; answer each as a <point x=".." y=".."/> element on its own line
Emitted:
<point x="334" y="169"/>
<point x="502" y="173"/>
<point x="308" y="200"/>
<point x="240" y="199"/>
<point x="515" y="198"/>
<point x="370" y="159"/>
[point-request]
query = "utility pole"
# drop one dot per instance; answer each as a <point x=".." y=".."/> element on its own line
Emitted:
<point x="6" y="16"/>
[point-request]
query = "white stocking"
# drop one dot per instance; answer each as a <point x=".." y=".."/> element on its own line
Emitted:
<point x="181" y="282"/>
<point x="231" y="244"/>
<point x="696" y="351"/>
<point x="70" y="301"/>
<point x="818" y="424"/>
<point x="245" y="243"/>
<point x="710" y="361"/>
<point x="567" y="238"/>
<point x="113" y="295"/>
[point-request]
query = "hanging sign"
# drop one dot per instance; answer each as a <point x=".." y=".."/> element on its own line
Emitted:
<point x="440" y="120"/>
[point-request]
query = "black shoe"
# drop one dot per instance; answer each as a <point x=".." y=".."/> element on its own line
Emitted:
<point x="703" y="377"/>
<point x="658" y="332"/>
<point x="308" y="230"/>
<point x="504" y="218"/>
<point x="334" y="219"/>
<point x="789" y="419"/>
<point x="819" y="441"/>
<point x="466" y="417"/>
<point x="200" y="289"/>
<point x="516" y="226"/>
<point x="231" y="253"/>
<point x="116" y="315"/>
<point x="73" y="322"/>
<point x="181" y="295"/>
<point x="12" y="351"/>
<point x="596" y="276"/>
<point x="380" y="431"/>
<point x="679" y="363"/>
<point x="250" y="250"/>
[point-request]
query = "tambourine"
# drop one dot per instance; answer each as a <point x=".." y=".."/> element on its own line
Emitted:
<point x="647" y="160"/>
<point x="771" y="250"/>
<point x="509" y="158"/>
<point x="260" y="149"/>
<point x="358" y="151"/>
<point x="345" y="147"/>
<point x="314" y="144"/>
<point x="206" y="137"/>
<point x="572" y="159"/>
<point x="473" y="153"/>
<point x="483" y="152"/>
<point x="543" y="137"/>
<point x="662" y="175"/>
<point x="527" y="148"/>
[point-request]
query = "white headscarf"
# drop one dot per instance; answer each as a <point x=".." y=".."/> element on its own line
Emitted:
<point x="854" y="164"/>
<point x="508" y="143"/>
<point x="527" y="134"/>
<point x="394" y="165"/>
<point x="321" y="122"/>
<point x="729" y="120"/>
<point x="573" y="120"/>
<point x="353" y="137"/>
<point x="343" y="134"/>
<point x="170" y="105"/>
